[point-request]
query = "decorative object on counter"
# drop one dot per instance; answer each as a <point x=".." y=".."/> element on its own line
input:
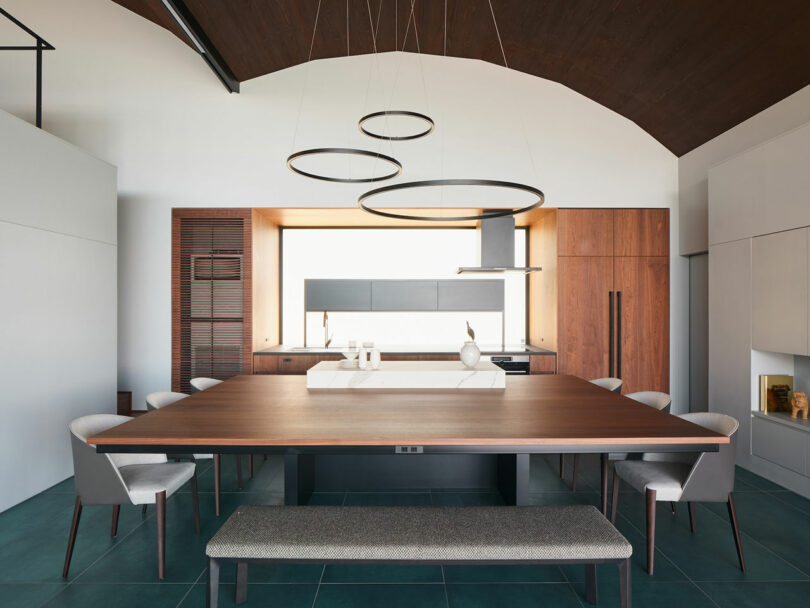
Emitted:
<point x="375" y="359"/>
<point x="368" y="344"/>
<point x="470" y="353"/>
<point x="798" y="404"/>
<point x="349" y="362"/>
<point x="362" y="359"/>
<point x="327" y="339"/>
<point x="774" y="393"/>
<point x="407" y="375"/>
<point x="352" y="345"/>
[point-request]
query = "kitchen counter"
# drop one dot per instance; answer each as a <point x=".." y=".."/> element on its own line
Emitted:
<point x="408" y="350"/>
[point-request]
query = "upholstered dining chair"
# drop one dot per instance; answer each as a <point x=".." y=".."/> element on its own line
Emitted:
<point x="116" y="479"/>
<point x="200" y="384"/>
<point x="157" y="400"/>
<point x="690" y="478"/>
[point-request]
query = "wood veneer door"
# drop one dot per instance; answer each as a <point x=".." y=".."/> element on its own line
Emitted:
<point x="583" y="340"/>
<point x="641" y="232"/>
<point x="585" y="232"/>
<point x="642" y="322"/>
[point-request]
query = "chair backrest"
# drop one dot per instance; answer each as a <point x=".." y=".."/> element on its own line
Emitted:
<point x="611" y="384"/>
<point x="712" y="476"/>
<point x="97" y="479"/>
<point x="155" y="401"/>
<point x="660" y="401"/>
<point x="200" y="384"/>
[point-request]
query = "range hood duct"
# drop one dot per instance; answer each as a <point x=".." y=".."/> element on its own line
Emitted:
<point x="498" y="247"/>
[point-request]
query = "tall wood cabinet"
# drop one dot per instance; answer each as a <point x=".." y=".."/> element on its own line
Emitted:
<point x="609" y="277"/>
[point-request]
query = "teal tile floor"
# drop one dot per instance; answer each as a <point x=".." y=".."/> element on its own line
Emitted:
<point x="691" y="571"/>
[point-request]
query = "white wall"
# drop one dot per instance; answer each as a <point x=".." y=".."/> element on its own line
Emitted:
<point x="133" y="94"/>
<point x="693" y="167"/>
<point x="58" y="307"/>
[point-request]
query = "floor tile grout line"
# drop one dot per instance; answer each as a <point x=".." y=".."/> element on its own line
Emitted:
<point x="571" y="586"/>
<point x="318" y="590"/>
<point x="784" y="502"/>
<point x="444" y="586"/>
<point x="191" y="588"/>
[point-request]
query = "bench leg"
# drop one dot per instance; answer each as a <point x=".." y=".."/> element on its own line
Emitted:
<point x="625" y="588"/>
<point x="591" y="585"/>
<point x="212" y="597"/>
<point x="241" y="583"/>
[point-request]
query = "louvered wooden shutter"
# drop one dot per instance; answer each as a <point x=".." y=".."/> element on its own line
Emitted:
<point x="212" y="276"/>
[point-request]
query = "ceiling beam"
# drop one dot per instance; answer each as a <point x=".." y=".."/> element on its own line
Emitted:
<point x="199" y="41"/>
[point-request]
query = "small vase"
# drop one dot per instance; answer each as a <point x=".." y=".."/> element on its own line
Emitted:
<point x="374" y="358"/>
<point x="470" y="354"/>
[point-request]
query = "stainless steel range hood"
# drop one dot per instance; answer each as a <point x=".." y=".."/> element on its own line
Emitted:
<point x="498" y="247"/>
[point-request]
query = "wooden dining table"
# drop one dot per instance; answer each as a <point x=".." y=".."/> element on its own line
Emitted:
<point x="534" y="414"/>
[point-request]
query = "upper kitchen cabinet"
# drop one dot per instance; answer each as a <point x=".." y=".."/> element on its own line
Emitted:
<point x="585" y="232"/>
<point x="779" y="276"/>
<point x="337" y="294"/>
<point x="641" y="232"/>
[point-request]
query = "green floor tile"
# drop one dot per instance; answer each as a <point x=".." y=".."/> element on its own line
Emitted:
<point x="503" y="574"/>
<point x="282" y="596"/>
<point x="381" y="573"/>
<point x="650" y="594"/>
<point x="327" y="498"/>
<point x="559" y="595"/>
<point x="27" y="595"/>
<point x="387" y="499"/>
<point x="375" y="596"/>
<point x="274" y="573"/>
<point x="466" y="499"/>
<point x="757" y="595"/>
<point x="119" y="596"/>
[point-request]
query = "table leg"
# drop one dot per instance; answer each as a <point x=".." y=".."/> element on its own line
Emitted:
<point x="604" y="484"/>
<point x="513" y="478"/>
<point x="299" y="478"/>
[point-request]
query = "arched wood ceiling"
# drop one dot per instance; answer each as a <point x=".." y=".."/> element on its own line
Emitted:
<point x="683" y="70"/>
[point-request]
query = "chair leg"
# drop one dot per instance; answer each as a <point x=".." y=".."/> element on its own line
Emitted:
<point x="562" y="466"/>
<point x="160" y="511"/>
<point x="692" y="520"/>
<point x="212" y="597"/>
<point x="672" y="506"/>
<point x="216" y="483"/>
<point x="250" y="466"/>
<point x="143" y="511"/>
<point x="650" y="530"/>
<point x="195" y="502"/>
<point x="604" y="479"/>
<point x="241" y="583"/>
<point x="617" y="482"/>
<point x="625" y="587"/>
<point x="239" y="470"/>
<point x="74" y="526"/>
<point x="732" y="515"/>
<point x="114" y="529"/>
<point x="591" y="585"/>
<point x="575" y="473"/>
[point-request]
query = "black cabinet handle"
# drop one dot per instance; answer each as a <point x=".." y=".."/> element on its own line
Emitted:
<point x="618" y="334"/>
<point x="286" y="360"/>
<point x="612" y="336"/>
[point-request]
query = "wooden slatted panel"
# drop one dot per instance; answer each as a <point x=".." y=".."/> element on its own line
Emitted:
<point x="211" y="297"/>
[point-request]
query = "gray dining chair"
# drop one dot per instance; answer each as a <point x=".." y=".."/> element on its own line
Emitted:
<point x="200" y="384"/>
<point x="690" y="478"/>
<point x="157" y="400"/>
<point x="609" y="384"/>
<point x="116" y="479"/>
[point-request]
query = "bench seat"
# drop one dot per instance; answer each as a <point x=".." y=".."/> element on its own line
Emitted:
<point x="418" y="535"/>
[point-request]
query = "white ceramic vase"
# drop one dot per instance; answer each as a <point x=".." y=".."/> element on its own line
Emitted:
<point x="374" y="358"/>
<point x="470" y="354"/>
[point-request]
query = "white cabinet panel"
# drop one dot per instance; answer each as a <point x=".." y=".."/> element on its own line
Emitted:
<point x="779" y="444"/>
<point x="779" y="292"/>
<point x="736" y="191"/>
<point x="787" y="182"/>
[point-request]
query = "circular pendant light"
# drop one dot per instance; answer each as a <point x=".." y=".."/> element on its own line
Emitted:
<point x="427" y="119"/>
<point x="361" y="201"/>
<point x="349" y="151"/>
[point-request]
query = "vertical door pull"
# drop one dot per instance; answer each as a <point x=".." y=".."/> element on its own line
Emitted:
<point x="612" y="336"/>
<point x="618" y="334"/>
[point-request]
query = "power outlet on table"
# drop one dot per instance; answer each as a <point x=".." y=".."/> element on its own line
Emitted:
<point x="409" y="449"/>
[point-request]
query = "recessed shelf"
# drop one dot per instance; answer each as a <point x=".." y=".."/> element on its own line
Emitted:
<point x="785" y="419"/>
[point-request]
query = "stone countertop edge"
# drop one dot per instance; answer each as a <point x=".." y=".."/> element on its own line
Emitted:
<point x="281" y="350"/>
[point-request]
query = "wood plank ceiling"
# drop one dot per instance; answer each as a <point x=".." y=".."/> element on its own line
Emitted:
<point x="683" y="70"/>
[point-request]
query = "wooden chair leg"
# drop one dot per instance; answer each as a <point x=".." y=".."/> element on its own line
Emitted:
<point x="617" y="482"/>
<point x="604" y="480"/>
<point x="212" y="597"/>
<point x="239" y="470"/>
<point x="672" y="506"/>
<point x="732" y="515"/>
<point x="216" y="483"/>
<point x="241" y="583"/>
<point x="143" y="511"/>
<point x="250" y="466"/>
<point x="650" y="530"/>
<point x="562" y="466"/>
<point x="591" y="585"/>
<point x="114" y="529"/>
<point x="625" y="586"/>
<point x="692" y="520"/>
<point x="575" y="473"/>
<point x="160" y="511"/>
<point x="74" y="526"/>
<point x="195" y="502"/>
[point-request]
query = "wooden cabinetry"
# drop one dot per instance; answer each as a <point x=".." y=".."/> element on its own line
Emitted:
<point x="779" y="299"/>
<point x="612" y="295"/>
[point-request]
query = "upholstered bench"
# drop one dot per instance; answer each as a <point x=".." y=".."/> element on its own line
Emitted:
<point x="577" y="534"/>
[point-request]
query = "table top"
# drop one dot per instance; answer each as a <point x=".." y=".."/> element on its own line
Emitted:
<point x="533" y="411"/>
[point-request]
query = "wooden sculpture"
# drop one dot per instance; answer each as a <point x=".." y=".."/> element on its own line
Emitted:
<point x="798" y="403"/>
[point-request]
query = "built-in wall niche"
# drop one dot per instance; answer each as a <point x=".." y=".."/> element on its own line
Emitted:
<point x="421" y="255"/>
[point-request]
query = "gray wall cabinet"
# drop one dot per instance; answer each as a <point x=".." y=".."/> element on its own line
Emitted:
<point x="483" y="294"/>
<point x="404" y="295"/>
<point x="337" y="294"/>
